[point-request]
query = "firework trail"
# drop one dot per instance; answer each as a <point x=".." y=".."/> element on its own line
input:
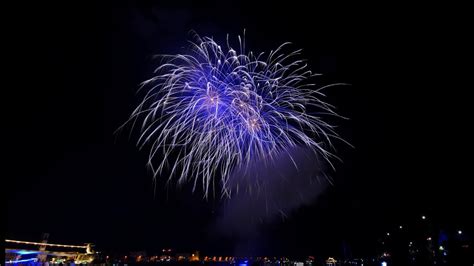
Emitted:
<point x="216" y="109"/>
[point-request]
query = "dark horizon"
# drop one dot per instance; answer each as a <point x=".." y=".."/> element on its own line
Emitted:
<point x="77" y="68"/>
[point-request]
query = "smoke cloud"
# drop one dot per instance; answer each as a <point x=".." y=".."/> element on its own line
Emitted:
<point x="269" y="190"/>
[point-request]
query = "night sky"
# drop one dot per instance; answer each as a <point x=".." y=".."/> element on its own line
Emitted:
<point x="77" y="68"/>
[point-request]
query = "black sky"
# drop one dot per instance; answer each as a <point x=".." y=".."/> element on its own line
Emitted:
<point x="77" y="67"/>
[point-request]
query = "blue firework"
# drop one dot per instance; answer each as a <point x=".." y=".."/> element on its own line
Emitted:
<point x="214" y="109"/>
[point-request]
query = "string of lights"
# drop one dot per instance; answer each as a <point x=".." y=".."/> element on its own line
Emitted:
<point x="43" y="244"/>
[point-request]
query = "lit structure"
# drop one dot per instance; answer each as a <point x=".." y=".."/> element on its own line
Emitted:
<point x="23" y="251"/>
<point x="46" y="244"/>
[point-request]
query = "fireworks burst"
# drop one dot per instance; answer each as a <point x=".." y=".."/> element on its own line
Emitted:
<point x="214" y="109"/>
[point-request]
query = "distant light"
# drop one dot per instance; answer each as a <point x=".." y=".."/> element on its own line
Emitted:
<point x="388" y="234"/>
<point x="423" y="217"/>
<point x="441" y="248"/>
<point x="383" y="263"/>
<point x="429" y="238"/>
<point x="192" y="255"/>
<point x="411" y="243"/>
<point x="401" y="227"/>
<point x="444" y="253"/>
<point x="459" y="232"/>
